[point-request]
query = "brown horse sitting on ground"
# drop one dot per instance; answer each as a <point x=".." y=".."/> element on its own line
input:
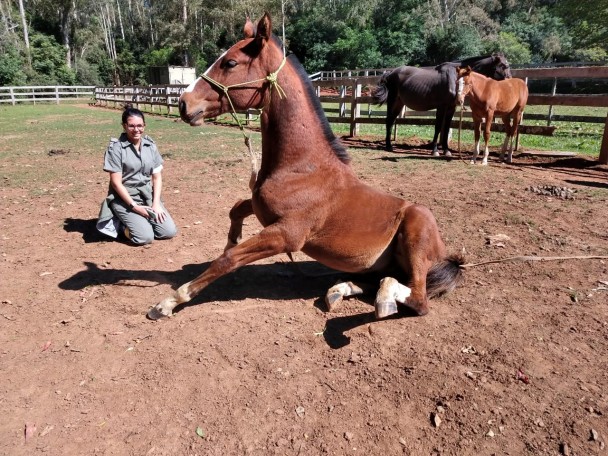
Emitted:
<point x="306" y="195"/>
<point x="488" y="98"/>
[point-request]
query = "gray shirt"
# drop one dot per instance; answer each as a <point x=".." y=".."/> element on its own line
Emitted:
<point x="135" y="166"/>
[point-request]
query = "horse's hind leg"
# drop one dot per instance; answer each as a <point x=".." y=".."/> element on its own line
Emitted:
<point x="240" y="211"/>
<point x="506" y="120"/>
<point x="390" y="293"/>
<point x="393" y="109"/>
<point x="419" y="247"/>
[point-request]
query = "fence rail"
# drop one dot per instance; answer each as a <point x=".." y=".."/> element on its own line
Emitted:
<point x="35" y="94"/>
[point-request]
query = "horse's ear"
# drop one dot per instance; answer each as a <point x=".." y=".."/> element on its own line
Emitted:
<point x="248" y="29"/>
<point x="264" y="30"/>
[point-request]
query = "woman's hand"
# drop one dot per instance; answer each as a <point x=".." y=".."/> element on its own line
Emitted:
<point x="141" y="210"/>
<point x="160" y="212"/>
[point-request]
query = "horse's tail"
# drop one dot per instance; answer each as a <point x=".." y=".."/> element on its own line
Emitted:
<point x="444" y="276"/>
<point x="380" y="92"/>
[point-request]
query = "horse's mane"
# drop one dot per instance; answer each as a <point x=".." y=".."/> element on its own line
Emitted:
<point x="333" y="141"/>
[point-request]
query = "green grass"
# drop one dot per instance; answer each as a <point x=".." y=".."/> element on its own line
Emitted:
<point x="580" y="137"/>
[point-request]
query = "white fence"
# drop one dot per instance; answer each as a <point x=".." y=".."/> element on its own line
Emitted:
<point x="35" y="94"/>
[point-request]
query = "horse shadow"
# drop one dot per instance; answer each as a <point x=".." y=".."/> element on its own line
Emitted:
<point x="277" y="281"/>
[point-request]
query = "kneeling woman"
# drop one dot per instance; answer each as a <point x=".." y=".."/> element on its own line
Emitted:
<point x="133" y="205"/>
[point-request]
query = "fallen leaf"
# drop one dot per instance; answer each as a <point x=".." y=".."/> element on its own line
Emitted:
<point x="200" y="432"/>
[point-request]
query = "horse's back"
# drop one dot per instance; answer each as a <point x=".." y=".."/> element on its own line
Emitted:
<point x="423" y="88"/>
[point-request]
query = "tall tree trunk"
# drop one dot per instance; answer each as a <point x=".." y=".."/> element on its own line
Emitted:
<point x="122" y="30"/>
<point x="26" y="35"/>
<point x="65" y="27"/>
<point x="185" y="22"/>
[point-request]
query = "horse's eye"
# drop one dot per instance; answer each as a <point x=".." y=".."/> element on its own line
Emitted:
<point x="230" y="63"/>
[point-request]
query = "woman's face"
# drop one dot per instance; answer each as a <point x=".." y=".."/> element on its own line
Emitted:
<point x="134" y="128"/>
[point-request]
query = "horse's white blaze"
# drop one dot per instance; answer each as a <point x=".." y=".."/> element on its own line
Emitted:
<point x="190" y="88"/>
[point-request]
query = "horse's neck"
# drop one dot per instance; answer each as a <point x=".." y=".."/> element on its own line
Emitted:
<point x="292" y="132"/>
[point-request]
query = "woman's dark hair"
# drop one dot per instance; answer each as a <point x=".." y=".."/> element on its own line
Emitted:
<point x="131" y="111"/>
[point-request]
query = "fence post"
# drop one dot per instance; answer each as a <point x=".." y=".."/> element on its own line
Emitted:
<point x="549" y="117"/>
<point x="342" y="104"/>
<point x="355" y="109"/>
<point x="12" y="96"/>
<point x="57" y="94"/>
<point x="604" y="148"/>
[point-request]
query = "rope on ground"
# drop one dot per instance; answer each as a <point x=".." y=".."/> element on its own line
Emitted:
<point x="535" y="258"/>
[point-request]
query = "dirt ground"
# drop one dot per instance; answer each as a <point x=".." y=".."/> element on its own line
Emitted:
<point x="515" y="361"/>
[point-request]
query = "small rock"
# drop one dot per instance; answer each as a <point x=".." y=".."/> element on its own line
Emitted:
<point x="354" y="358"/>
<point x="440" y="409"/>
<point x="402" y="441"/>
<point x="539" y="422"/>
<point x="300" y="411"/>
<point x="564" y="449"/>
<point x="594" y="435"/>
<point x="435" y="420"/>
<point x="490" y="433"/>
<point x="470" y="375"/>
<point x="348" y="436"/>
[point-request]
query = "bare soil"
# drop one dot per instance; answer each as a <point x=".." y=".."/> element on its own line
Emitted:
<point x="515" y="361"/>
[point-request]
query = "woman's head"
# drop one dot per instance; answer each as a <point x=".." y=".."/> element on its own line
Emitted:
<point x="133" y="122"/>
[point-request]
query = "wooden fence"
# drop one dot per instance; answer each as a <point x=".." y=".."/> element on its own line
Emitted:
<point x="35" y="94"/>
<point x="346" y="90"/>
<point x="355" y="108"/>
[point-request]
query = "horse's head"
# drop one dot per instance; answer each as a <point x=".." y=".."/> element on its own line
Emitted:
<point x="239" y="78"/>
<point x="501" y="67"/>
<point x="464" y="83"/>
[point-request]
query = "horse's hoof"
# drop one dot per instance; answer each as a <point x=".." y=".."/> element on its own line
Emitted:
<point x="332" y="300"/>
<point x="472" y="162"/>
<point x="389" y="148"/>
<point x="385" y="308"/>
<point x="435" y="153"/>
<point x="156" y="313"/>
<point x="448" y="154"/>
<point x="484" y="163"/>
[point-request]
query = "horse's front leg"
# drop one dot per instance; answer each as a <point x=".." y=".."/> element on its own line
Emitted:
<point x="486" y="136"/>
<point x="445" y="129"/>
<point x="240" y="211"/>
<point x="270" y="241"/>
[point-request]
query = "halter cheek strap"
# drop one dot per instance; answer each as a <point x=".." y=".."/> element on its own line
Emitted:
<point x="272" y="78"/>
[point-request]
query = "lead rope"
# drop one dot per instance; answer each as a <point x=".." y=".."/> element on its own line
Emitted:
<point x="272" y="78"/>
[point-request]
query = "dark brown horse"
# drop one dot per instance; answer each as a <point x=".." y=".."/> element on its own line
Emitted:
<point x="428" y="88"/>
<point x="306" y="195"/>
<point x="489" y="98"/>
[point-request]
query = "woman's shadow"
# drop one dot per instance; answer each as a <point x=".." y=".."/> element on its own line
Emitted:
<point x="88" y="229"/>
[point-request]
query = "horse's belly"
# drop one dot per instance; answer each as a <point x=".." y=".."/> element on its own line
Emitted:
<point x="348" y="259"/>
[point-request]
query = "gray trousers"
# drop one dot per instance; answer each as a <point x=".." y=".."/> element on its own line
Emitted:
<point x="141" y="230"/>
